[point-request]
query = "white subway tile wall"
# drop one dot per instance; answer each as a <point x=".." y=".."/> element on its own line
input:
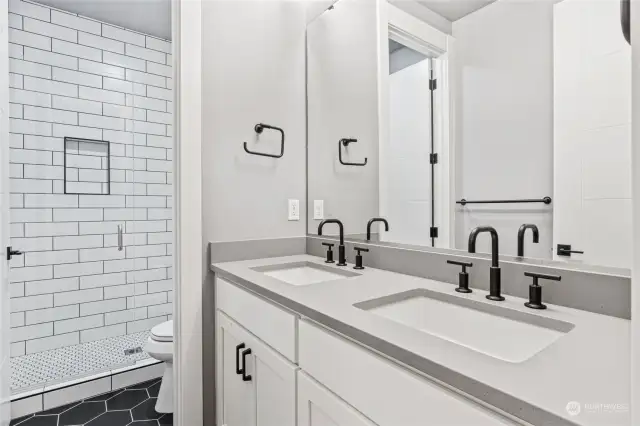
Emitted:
<point x="77" y="77"/>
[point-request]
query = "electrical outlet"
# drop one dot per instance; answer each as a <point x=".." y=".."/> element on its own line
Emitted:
<point x="294" y="209"/>
<point x="318" y="209"/>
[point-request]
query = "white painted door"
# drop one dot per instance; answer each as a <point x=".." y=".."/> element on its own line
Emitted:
<point x="236" y="401"/>
<point x="317" y="406"/>
<point x="592" y="134"/>
<point x="5" y="367"/>
<point x="268" y="396"/>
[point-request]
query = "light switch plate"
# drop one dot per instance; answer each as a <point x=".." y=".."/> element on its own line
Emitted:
<point x="294" y="209"/>
<point x="318" y="209"/>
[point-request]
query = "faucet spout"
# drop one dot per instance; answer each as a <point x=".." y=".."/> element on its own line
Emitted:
<point x="494" y="271"/>
<point x="342" y="257"/>
<point x="521" y="232"/>
<point x="494" y="242"/>
<point x="374" y="220"/>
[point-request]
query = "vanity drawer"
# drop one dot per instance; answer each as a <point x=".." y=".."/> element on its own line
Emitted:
<point x="273" y="325"/>
<point x="365" y="379"/>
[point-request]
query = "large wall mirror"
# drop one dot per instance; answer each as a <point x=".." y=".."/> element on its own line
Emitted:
<point x="519" y="115"/>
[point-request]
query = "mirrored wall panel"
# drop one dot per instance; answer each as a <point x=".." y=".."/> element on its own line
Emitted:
<point x="518" y="119"/>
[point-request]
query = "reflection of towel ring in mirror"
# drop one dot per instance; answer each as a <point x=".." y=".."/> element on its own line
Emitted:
<point x="259" y="128"/>
<point x="346" y="142"/>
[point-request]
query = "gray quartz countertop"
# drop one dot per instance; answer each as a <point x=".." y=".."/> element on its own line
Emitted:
<point x="589" y="365"/>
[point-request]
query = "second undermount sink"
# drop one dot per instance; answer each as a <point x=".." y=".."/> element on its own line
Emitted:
<point x="304" y="273"/>
<point x="493" y="330"/>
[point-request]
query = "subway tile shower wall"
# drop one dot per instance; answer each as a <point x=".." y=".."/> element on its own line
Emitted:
<point x="77" y="77"/>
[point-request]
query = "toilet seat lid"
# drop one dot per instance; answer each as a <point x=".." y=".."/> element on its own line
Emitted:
<point x="163" y="332"/>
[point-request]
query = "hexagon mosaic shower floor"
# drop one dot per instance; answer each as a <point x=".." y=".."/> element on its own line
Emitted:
<point x="130" y="406"/>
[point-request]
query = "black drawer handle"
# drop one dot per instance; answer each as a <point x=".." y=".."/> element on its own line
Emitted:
<point x="238" y="369"/>
<point x="245" y="377"/>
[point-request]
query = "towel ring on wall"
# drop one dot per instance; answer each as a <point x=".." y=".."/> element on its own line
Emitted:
<point x="259" y="128"/>
<point x="346" y="142"/>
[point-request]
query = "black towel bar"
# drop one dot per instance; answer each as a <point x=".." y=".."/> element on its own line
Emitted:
<point x="545" y="200"/>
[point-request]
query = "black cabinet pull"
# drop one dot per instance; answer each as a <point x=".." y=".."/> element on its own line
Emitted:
<point x="245" y="377"/>
<point x="238" y="369"/>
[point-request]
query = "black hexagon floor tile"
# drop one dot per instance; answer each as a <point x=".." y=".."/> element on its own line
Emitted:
<point x="127" y="399"/>
<point x="41" y="421"/>
<point x="146" y="410"/>
<point x="144" y="385"/>
<point x="19" y="420"/>
<point x="82" y="413"/>
<point x="59" y="410"/>
<point x="104" y="396"/>
<point x="154" y="390"/>
<point x="112" y="418"/>
<point x="166" y="420"/>
<point x="124" y="407"/>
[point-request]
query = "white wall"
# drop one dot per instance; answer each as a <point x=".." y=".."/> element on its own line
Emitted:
<point x="75" y="77"/>
<point x="343" y="103"/>
<point x="408" y="187"/>
<point x="245" y="196"/>
<point x="253" y="71"/>
<point x="504" y="120"/>
<point x="592" y="137"/>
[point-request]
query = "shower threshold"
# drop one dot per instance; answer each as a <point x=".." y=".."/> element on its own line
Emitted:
<point x="55" y="368"/>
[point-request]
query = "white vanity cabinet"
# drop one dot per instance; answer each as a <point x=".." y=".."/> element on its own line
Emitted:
<point x="256" y="385"/>
<point x="339" y="382"/>
<point x="318" y="406"/>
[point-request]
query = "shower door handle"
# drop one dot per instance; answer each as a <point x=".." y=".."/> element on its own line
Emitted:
<point x="119" y="237"/>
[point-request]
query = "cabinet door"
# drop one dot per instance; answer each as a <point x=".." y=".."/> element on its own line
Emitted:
<point x="272" y="385"/>
<point x="236" y="398"/>
<point x="317" y="406"/>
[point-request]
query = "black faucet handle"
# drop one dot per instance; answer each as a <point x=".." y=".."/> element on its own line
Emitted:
<point x="359" y="257"/>
<point x="537" y="276"/>
<point x="535" y="291"/>
<point x="329" y="252"/>
<point x="464" y="265"/>
<point x="463" y="276"/>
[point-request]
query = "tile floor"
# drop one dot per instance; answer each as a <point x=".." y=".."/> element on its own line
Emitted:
<point x="130" y="406"/>
<point x="58" y="365"/>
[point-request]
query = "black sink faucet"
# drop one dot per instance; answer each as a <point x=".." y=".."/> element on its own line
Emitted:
<point x="521" y="231"/>
<point x="494" y="271"/>
<point x="342" y="258"/>
<point x="374" y="220"/>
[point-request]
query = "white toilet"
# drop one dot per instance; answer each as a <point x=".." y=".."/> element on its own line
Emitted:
<point x="160" y="346"/>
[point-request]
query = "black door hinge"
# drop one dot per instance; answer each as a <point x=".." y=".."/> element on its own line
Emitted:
<point x="433" y="158"/>
<point x="433" y="84"/>
<point x="433" y="232"/>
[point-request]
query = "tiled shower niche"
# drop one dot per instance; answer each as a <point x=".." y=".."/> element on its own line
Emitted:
<point x="86" y="166"/>
<point x="75" y="79"/>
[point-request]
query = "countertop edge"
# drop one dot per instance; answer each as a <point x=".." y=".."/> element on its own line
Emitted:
<point x="477" y="390"/>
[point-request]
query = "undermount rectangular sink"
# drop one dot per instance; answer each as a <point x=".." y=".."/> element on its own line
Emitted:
<point x="304" y="273"/>
<point x="500" y="332"/>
